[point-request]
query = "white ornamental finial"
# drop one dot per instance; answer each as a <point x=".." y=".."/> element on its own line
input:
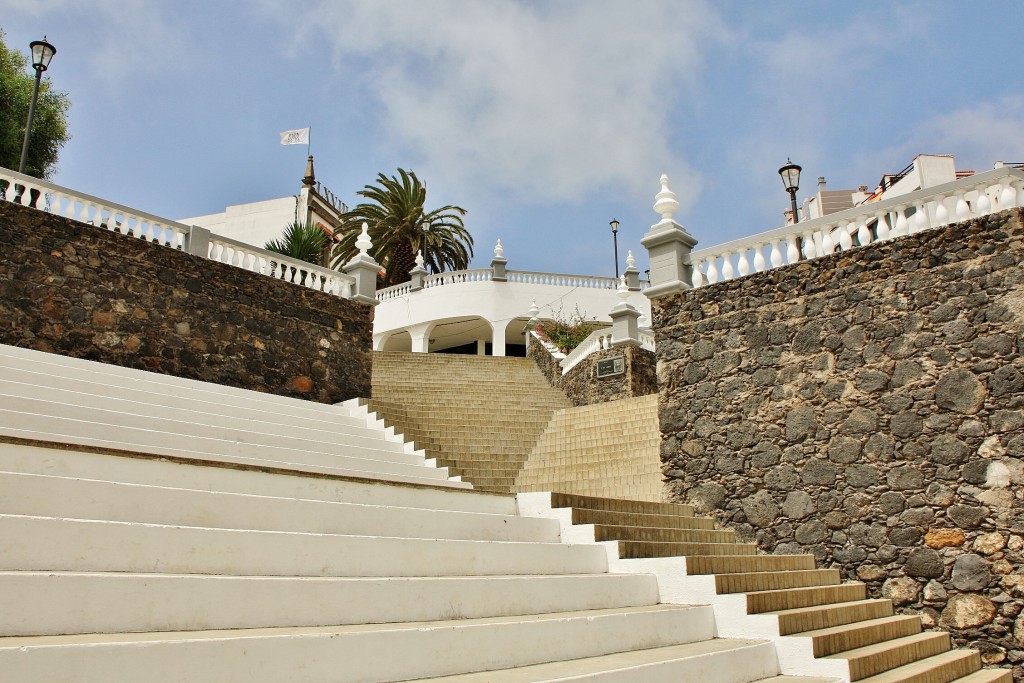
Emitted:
<point x="623" y="292"/>
<point x="534" y="310"/>
<point x="499" y="251"/>
<point x="665" y="202"/>
<point x="630" y="261"/>
<point x="363" y="243"/>
<point x="419" y="259"/>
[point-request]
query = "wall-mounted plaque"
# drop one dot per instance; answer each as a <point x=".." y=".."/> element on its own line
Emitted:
<point x="611" y="366"/>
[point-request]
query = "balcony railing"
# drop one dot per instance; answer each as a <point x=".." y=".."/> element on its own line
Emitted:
<point x="62" y="201"/>
<point x="961" y="200"/>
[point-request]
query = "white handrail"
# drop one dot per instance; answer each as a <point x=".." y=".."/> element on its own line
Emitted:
<point x="124" y="220"/>
<point x="596" y="341"/>
<point x="971" y="197"/>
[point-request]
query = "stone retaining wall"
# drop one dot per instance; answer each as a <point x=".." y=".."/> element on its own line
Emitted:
<point x="70" y="288"/>
<point x="582" y="385"/>
<point x="866" y="408"/>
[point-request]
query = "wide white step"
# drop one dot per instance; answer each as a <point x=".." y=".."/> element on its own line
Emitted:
<point x="188" y="474"/>
<point x="50" y="603"/>
<point x="352" y="654"/>
<point x="131" y="378"/>
<point x="89" y="545"/>
<point x="44" y="380"/>
<point x="41" y="495"/>
<point x="722" y="660"/>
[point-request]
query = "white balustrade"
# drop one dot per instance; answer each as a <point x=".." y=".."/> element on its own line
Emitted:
<point x="598" y="340"/>
<point x="971" y="197"/>
<point x="161" y="231"/>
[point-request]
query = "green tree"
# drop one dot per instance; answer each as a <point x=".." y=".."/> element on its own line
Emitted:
<point x="399" y="227"/>
<point x="49" y="129"/>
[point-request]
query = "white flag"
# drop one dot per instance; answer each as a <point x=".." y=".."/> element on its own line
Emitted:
<point x="300" y="136"/>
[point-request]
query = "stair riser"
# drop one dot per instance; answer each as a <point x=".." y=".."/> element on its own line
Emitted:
<point x="155" y="472"/>
<point x="745" y="583"/>
<point x="837" y="615"/>
<point x="53" y="427"/>
<point x="73" y="545"/>
<point x="867" y="634"/>
<point x="270" y="660"/>
<point x="48" y="603"/>
<point x="625" y="506"/>
<point x="870" y="665"/>
<point x="96" y="500"/>
<point x="181" y="431"/>
<point x="823" y="595"/>
<point x="760" y="563"/>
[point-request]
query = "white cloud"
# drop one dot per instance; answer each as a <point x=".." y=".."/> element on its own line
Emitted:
<point x="979" y="134"/>
<point x="124" y="38"/>
<point x="546" y="101"/>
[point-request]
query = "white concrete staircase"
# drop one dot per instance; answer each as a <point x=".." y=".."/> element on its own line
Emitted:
<point x="157" y="529"/>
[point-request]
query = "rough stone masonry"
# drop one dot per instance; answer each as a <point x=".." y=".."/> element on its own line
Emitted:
<point x="77" y="290"/>
<point x="866" y="408"/>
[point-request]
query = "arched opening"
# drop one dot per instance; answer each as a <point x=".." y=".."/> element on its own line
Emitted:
<point x="399" y="341"/>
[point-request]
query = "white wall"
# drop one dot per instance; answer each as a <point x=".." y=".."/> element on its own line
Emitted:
<point x="255" y="223"/>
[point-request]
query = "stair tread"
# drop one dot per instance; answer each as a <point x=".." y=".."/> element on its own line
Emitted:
<point x="879" y="648"/>
<point x="565" y="670"/>
<point x="881" y="621"/>
<point x="923" y="666"/>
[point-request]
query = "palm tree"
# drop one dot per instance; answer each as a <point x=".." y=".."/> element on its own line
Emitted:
<point x="399" y="227"/>
<point x="302" y="241"/>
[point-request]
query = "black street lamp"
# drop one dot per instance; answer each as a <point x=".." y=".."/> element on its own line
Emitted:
<point x="791" y="181"/>
<point x="615" y="240"/>
<point x="42" y="53"/>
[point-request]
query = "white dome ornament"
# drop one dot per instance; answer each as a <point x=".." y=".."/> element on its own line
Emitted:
<point x="534" y="309"/>
<point x="623" y="290"/>
<point x="665" y="202"/>
<point x="419" y="258"/>
<point x="499" y="251"/>
<point x="630" y="261"/>
<point x="363" y="243"/>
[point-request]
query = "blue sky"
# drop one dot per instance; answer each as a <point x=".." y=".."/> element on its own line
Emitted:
<point x="544" y="120"/>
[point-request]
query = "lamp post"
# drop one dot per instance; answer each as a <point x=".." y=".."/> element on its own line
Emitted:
<point x="791" y="181"/>
<point x="42" y="53"/>
<point x="615" y="240"/>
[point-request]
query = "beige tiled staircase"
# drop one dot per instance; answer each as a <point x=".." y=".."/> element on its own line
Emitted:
<point x="607" y="449"/>
<point x="479" y="416"/>
<point x="785" y="597"/>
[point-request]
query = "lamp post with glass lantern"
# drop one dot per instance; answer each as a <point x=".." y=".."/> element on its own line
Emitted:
<point x="42" y="53"/>
<point x="791" y="181"/>
<point x="615" y="240"/>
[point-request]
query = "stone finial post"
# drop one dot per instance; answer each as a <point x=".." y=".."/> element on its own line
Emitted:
<point x="632" y="273"/>
<point x="417" y="274"/>
<point x="197" y="241"/>
<point x="624" y="316"/>
<point x="669" y="246"/>
<point x="533" y="321"/>
<point x="364" y="269"/>
<point x="498" y="264"/>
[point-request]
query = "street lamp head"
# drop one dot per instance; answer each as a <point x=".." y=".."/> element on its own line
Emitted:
<point x="615" y="225"/>
<point x="790" y="176"/>
<point x="42" y="53"/>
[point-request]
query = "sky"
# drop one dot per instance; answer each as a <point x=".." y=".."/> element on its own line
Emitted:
<point x="544" y="119"/>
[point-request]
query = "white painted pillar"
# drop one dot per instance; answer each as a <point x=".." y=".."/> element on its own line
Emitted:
<point x="497" y="339"/>
<point x="481" y="347"/>
<point x="421" y="337"/>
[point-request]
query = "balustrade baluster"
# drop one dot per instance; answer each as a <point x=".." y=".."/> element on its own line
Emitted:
<point x="712" y="272"/>
<point x="984" y="204"/>
<point x="828" y="245"/>
<point x="1008" y="197"/>
<point x="845" y="238"/>
<point x="963" y="209"/>
<point x="863" y="234"/>
<point x="775" y="257"/>
<point x="882" y="227"/>
<point x="808" y="246"/>
<point x="742" y="264"/>
<point x="941" y="212"/>
<point x="759" y="263"/>
<point x="902" y="227"/>
<point x="697" y="277"/>
<point x="920" y="217"/>
<point x="727" y="271"/>
<point x="792" y="250"/>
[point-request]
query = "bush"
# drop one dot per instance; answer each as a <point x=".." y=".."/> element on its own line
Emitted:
<point x="567" y="334"/>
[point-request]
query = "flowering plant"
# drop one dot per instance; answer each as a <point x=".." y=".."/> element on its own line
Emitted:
<point x="566" y="334"/>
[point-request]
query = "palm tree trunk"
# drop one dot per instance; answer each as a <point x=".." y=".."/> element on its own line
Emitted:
<point x="402" y="260"/>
